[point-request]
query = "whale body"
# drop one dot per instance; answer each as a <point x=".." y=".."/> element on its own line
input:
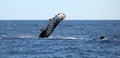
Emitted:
<point x="52" y="23"/>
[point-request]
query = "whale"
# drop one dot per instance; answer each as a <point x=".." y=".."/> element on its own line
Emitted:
<point x="51" y="25"/>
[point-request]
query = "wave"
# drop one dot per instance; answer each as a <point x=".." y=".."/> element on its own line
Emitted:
<point x="20" y="36"/>
<point x="60" y="37"/>
<point x="26" y="36"/>
<point x="70" y="37"/>
<point x="31" y="36"/>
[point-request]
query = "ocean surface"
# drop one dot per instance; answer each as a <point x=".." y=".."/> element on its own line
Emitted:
<point x="70" y="39"/>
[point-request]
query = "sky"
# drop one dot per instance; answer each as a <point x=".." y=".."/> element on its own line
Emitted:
<point x="74" y="9"/>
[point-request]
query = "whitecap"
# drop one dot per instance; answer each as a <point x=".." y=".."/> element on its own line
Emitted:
<point x="60" y="37"/>
<point x="26" y="36"/>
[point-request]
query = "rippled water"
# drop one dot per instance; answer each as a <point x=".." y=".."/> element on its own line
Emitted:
<point x="71" y="39"/>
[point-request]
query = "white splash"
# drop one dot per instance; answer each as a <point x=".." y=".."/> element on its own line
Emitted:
<point x="60" y="37"/>
<point x="26" y="36"/>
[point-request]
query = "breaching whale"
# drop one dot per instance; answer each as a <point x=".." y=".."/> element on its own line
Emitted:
<point x="52" y="23"/>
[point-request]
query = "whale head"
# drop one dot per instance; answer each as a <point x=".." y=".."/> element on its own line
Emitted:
<point x="61" y="15"/>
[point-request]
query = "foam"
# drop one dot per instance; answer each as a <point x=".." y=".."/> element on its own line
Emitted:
<point x="29" y="36"/>
<point x="26" y="36"/>
<point x="61" y="37"/>
<point x="18" y="36"/>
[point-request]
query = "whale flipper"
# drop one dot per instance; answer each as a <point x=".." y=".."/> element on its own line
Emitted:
<point x="47" y="31"/>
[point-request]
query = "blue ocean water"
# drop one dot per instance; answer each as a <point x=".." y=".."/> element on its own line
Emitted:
<point x="71" y="39"/>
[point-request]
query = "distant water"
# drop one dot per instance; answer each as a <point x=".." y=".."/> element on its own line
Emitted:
<point x="71" y="39"/>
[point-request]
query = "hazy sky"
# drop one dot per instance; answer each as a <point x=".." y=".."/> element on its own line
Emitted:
<point x="74" y="9"/>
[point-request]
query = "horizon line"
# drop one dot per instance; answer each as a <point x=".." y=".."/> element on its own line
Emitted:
<point x="64" y="19"/>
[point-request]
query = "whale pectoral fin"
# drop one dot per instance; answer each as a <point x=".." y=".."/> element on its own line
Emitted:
<point x="51" y="25"/>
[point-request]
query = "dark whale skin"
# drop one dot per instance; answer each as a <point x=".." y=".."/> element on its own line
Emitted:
<point x="52" y="24"/>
